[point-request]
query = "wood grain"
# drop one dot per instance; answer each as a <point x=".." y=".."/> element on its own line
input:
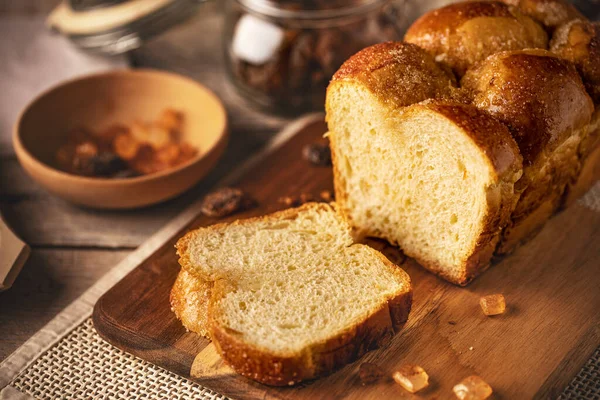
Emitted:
<point x="552" y="325"/>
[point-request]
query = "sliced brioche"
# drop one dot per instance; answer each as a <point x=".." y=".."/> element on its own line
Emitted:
<point x="464" y="33"/>
<point x="542" y="100"/>
<point x="293" y="297"/>
<point x="436" y="177"/>
<point x="189" y="301"/>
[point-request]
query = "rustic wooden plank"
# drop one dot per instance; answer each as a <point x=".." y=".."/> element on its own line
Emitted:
<point x="550" y="329"/>
<point x="50" y="280"/>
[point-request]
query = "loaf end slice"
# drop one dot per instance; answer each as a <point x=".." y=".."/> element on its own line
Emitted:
<point x="293" y="297"/>
<point x="437" y="178"/>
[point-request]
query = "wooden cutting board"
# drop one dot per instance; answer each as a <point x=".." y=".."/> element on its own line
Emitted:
<point x="552" y="288"/>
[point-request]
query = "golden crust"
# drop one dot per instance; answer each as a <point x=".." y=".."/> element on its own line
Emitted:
<point x="189" y="301"/>
<point x="397" y="73"/>
<point x="549" y="13"/>
<point x="464" y="33"/>
<point x="539" y="96"/>
<point x="319" y="359"/>
<point x="579" y="42"/>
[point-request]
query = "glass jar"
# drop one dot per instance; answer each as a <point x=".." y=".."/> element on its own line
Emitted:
<point x="281" y="54"/>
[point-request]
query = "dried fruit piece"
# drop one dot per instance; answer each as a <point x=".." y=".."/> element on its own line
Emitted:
<point x="224" y="201"/>
<point x="317" y="154"/>
<point x="139" y="131"/>
<point x="170" y="120"/>
<point x="126" y="146"/>
<point x="289" y="201"/>
<point x="369" y="373"/>
<point x="106" y="137"/>
<point x="146" y="162"/>
<point x="169" y="154"/>
<point x="411" y="377"/>
<point x="158" y="137"/>
<point x="84" y="152"/>
<point x="106" y="164"/>
<point x="64" y="156"/>
<point x="472" y="388"/>
<point x="306" y="197"/>
<point x="493" y="304"/>
<point x="86" y="149"/>
<point x="326" y="195"/>
<point x="186" y="152"/>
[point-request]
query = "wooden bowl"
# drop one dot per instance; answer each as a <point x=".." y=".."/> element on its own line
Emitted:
<point x="99" y="101"/>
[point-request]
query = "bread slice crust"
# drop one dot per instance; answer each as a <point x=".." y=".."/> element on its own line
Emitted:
<point x="317" y="359"/>
<point x="189" y="300"/>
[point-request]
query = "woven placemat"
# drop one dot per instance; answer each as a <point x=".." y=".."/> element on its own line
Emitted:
<point x="586" y="385"/>
<point x="67" y="359"/>
<point x="83" y="366"/>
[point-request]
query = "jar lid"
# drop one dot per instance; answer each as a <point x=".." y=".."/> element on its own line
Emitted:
<point x="310" y="9"/>
<point x="117" y="26"/>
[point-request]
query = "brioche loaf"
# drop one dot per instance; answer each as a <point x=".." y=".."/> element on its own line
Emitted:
<point x="380" y="120"/>
<point x="290" y="296"/>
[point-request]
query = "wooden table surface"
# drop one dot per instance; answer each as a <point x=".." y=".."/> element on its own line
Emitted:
<point x="72" y="246"/>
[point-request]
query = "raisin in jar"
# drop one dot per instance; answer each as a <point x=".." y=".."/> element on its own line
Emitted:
<point x="281" y="54"/>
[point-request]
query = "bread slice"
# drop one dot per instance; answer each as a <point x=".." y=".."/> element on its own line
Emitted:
<point x="189" y="301"/>
<point x="293" y="296"/>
